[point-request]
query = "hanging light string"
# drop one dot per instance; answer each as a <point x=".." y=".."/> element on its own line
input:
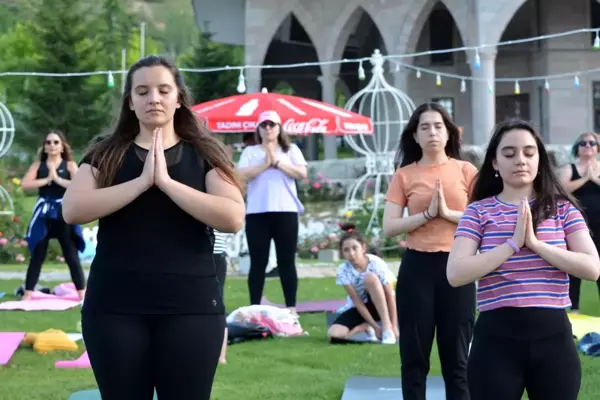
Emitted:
<point x="241" y="87"/>
<point x="476" y="49"/>
<point x="575" y="75"/>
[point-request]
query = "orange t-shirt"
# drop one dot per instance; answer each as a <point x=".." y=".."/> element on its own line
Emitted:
<point x="412" y="186"/>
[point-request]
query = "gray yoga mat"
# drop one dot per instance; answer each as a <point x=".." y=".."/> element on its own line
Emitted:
<point x="377" y="388"/>
<point x="92" y="394"/>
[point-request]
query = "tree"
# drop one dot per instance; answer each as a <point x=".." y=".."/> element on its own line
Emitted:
<point x="19" y="53"/>
<point x="205" y="54"/>
<point x="76" y="104"/>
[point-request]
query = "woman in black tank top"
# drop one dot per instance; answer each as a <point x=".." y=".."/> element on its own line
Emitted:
<point x="582" y="179"/>
<point x="159" y="185"/>
<point x="51" y="175"/>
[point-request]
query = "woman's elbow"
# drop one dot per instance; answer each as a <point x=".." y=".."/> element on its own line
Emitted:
<point x="595" y="272"/>
<point x="452" y="277"/>
<point x="235" y="220"/>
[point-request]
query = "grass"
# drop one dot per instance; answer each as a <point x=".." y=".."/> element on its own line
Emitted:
<point x="284" y="369"/>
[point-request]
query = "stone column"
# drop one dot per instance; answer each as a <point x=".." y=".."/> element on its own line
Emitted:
<point x="253" y="80"/>
<point x="328" y="96"/>
<point x="483" y="103"/>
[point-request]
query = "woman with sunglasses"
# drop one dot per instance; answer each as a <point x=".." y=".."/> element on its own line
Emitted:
<point x="582" y="179"/>
<point x="271" y="168"/>
<point x="51" y="175"/>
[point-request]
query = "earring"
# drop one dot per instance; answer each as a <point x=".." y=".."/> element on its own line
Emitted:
<point x="496" y="174"/>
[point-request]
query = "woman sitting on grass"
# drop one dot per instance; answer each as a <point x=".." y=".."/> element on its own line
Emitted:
<point x="367" y="280"/>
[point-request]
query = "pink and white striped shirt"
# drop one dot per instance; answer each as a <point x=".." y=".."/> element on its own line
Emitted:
<point x="525" y="279"/>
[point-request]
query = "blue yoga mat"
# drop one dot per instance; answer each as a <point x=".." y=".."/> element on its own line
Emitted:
<point x="92" y="394"/>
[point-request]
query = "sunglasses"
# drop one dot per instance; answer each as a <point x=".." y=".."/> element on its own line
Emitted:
<point x="586" y="143"/>
<point x="56" y="142"/>
<point x="267" y="124"/>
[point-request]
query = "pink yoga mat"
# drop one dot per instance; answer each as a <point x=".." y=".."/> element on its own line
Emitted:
<point x="9" y="343"/>
<point x="39" y="305"/>
<point x="82" y="362"/>
<point x="310" y="306"/>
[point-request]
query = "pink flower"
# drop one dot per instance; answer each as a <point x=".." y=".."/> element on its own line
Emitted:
<point x="20" y="258"/>
<point x="3" y="241"/>
<point x="314" y="249"/>
<point x="316" y="185"/>
<point x="305" y="180"/>
<point x="320" y="175"/>
<point x="327" y="181"/>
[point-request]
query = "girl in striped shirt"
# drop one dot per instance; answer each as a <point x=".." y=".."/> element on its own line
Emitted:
<point x="530" y="235"/>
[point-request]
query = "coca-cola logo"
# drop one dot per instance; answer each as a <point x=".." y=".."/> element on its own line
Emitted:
<point x="313" y="125"/>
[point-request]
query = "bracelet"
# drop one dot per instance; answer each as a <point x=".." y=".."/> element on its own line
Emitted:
<point x="426" y="215"/>
<point x="513" y="245"/>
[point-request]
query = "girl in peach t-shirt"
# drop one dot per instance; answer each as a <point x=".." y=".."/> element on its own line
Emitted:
<point x="433" y="183"/>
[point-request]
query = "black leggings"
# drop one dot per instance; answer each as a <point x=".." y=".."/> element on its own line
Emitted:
<point x="63" y="232"/>
<point x="282" y="227"/>
<point x="131" y="355"/>
<point x="501" y="368"/>
<point x="426" y="302"/>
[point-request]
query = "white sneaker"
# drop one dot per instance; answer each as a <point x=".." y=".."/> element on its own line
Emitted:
<point x="388" y="337"/>
<point x="371" y="336"/>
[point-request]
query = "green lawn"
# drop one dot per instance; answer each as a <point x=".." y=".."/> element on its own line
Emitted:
<point x="283" y="369"/>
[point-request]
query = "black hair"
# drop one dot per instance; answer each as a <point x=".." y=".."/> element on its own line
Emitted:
<point x="546" y="185"/>
<point x="350" y="232"/>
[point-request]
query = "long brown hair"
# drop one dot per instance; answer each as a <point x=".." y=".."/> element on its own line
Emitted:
<point x="66" y="154"/>
<point x="107" y="153"/>
<point x="283" y="140"/>
<point x="409" y="150"/>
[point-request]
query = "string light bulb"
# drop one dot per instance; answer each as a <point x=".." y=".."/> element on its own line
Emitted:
<point x="361" y="72"/>
<point x="477" y="61"/>
<point x="547" y="85"/>
<point x="576" y="82"/>
<point x="463" y="86"/>
<point x="241" y="87"/>
<point x="490" y="87"/>
<point x="517" y="88"/>
<point x="597" y="41"/>
<point x="110" y="80"/>
<point x="438" y="80"/>
<point x="418" y="74"/>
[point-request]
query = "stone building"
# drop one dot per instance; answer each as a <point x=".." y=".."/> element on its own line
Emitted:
<point x="291" y="31"/>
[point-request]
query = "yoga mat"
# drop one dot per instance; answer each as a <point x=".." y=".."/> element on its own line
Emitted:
<point x="39" y="305"/>
<point x="9" y="343"/>
<point x="310" y="306"/>
<point x="583" y="324"/>
<point x="92" y="394"/>
<point x="82" y="362"/>
<point x="377" y="388"/>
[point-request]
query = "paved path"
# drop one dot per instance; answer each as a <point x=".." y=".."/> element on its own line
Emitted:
<point x="304" y="271"/>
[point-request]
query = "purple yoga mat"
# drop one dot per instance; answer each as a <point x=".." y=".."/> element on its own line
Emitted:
<point x="310" y="306"/>
<point x="9" y="343"/>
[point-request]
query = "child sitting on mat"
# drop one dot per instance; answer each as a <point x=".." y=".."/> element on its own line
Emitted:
<point x="367" y="280"/>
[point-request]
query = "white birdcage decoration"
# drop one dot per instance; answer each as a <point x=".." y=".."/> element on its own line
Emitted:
<point x="7" y="132"/>
<point x="389" y="109"/>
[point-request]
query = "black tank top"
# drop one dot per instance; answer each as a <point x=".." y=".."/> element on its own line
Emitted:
<point x="53" y="190"/>
<point x="152" y="257"/>
<point x="588" y="196"/>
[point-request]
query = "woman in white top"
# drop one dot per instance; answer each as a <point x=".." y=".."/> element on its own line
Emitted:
<point x="272" y="206"/>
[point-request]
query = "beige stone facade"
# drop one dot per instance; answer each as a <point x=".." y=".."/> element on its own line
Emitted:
<point x="407" y="27"/>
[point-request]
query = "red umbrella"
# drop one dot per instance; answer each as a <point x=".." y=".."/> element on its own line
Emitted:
<point x="299" y="116"/>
